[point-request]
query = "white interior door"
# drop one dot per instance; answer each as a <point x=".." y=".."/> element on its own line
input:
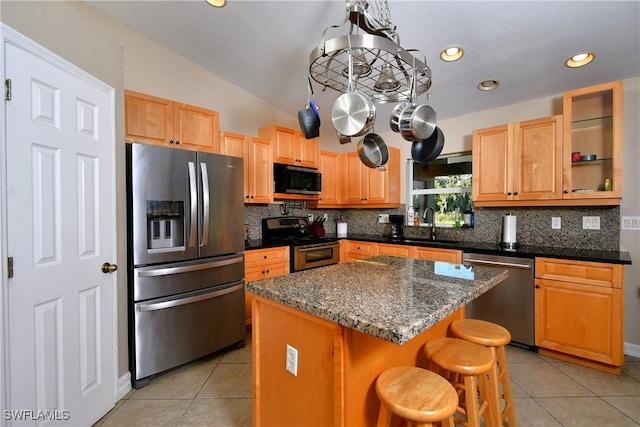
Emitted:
<point x="61" y="223"/>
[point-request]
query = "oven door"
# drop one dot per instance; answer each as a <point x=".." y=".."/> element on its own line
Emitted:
<point x="315" y="255"/>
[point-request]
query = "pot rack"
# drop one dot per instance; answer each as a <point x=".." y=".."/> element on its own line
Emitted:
<point x="382" y="68"/>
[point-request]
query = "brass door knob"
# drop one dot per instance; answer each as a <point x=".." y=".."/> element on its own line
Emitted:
<point x="109" y="268"/>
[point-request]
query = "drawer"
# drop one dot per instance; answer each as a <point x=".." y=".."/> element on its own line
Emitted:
<point x="260" y="256"/>
<point x="396" y="250"/>
<point x="361" y="248"/>
<point x="435" y="254"/>
<point x="591" y="273"/>
<point x="264" y="271"/>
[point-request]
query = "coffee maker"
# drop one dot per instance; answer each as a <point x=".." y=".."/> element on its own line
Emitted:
<point x="397" y="225"/>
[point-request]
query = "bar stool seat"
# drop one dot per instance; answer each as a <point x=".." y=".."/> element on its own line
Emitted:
<point x="417" y="395"/>
<point x="494" y="337"/>
<point x="469" y="367"/>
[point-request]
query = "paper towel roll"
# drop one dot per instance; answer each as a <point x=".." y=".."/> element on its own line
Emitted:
<point x="342" y="229"/>
<point x="509" y="229"/>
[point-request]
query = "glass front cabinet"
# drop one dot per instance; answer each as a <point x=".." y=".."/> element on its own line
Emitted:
<point x="593" y="143"/>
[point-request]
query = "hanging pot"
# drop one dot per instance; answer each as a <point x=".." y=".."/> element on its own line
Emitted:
<point x="425" y="150"/>
<point x="394" y="121"/>
<point x="308" y="117"/>
<point x="353" y="112"/>
<point x="417" y="121"/>
<point x="373" y="151"/>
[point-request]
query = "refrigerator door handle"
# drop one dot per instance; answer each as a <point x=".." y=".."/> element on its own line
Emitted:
<point x="205" y="204"/>
<point x="188" y="268"/>
<point x="188" y="300"/>
<point x="193" y="197"/>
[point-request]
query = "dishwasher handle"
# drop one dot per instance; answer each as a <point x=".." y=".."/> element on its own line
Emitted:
<point x="473" y="261"/>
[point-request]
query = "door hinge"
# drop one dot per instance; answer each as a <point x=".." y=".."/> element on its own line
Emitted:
<point x="10" y="267"/>
<point x="7" y="94"/>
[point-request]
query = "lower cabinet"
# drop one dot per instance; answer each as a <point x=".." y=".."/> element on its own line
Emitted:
<point x="262" y="264"/>
<point x="353" y="249"/>
<point x="579" y="312"/>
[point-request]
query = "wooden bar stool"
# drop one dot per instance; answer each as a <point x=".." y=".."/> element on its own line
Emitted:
<point x="494" y="337"/>
<point x="469" y="367"/>
<point x="418" y="396"/>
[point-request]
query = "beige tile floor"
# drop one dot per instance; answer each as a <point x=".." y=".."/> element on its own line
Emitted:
<point x="216" y="391"/>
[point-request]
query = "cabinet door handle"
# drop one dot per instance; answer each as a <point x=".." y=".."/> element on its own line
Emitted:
<point x="538" y="286"/>
<point x="515" y="193"/>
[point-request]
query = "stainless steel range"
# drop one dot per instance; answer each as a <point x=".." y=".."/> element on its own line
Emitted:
<point x="307" y="251"/>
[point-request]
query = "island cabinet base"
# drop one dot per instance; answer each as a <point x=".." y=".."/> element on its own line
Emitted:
<point x="336" y="368"/>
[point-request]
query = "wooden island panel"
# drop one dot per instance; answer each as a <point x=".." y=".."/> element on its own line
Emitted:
<point x="337" y="367"/>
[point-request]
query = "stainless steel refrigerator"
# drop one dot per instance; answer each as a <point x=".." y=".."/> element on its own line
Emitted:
<point x="185" y="257"/>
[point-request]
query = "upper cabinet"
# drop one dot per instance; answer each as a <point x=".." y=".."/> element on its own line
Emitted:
<point x="290" y="146"/>
<point x="159" y="121"/>
<point x="329" y="167"/>
<point x="518" y="162"/>
<point x="593" y="142"/>
<point x="368" y="187"/>
<point x="569" y="160"/>
<point x="233" y="144"/>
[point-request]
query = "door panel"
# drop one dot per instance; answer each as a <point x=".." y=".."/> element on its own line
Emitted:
<point x="61" y="224"/>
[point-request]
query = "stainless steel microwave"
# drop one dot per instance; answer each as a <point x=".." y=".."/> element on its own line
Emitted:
<point x="296" y="179"/>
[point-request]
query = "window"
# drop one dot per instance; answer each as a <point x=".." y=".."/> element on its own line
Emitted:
<point x="443" y="184"/>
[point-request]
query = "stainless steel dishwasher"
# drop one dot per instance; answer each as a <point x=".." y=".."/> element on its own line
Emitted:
<point x="510" y="303"/>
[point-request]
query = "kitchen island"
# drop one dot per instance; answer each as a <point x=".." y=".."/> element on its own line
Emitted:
<point x="349" y="322"/>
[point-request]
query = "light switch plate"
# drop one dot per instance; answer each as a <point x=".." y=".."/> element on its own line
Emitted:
<point x="630" y="223"/>
<point x="556" y="223"/>
<point x="383" y="219"/>
<point x="591" y="223"/>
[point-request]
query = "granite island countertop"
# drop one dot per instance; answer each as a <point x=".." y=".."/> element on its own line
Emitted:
<point x="387" y="297"/>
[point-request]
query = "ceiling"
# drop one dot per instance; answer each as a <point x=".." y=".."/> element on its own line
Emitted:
<point x="264" y="46"/>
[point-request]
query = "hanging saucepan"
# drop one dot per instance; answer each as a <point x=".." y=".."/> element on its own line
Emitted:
<point x="353" y="112"/>
<point x="394" y="121"/>
<point x="308" y="117"/>
<point x="425" y="150"/>
<point x="373" y="151"/>
<point x="417" y="121"/>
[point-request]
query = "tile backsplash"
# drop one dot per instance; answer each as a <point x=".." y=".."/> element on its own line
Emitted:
<point x="533" y="224"/>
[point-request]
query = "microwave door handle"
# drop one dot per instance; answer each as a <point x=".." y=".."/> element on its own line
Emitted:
<point x="205" y="204"/>
<point x="193" y="197"/>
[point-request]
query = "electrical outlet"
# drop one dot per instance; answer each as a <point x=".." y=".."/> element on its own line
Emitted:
<point x="556" y="223"/>
<point x="383" y="219"/>
<point x="631" y="223"/>
<point x="325" y="216"/>
<point x="591" y="223"/>
<point x="292" y="360"/>
<point x="310" y="216"/>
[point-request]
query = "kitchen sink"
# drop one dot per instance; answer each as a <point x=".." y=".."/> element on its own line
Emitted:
<point x="429" y="241"/>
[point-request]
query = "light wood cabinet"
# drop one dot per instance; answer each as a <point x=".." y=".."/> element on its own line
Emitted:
<point x="367" y="187"/>
<point x="153" y="120"/>
<point x="351" y="250"/>
<point x="518" y="162"/>
<point x="593" y="125"/>
<point x="258" y="171"/>
<point x="262" y="264"/>
<point x="439" y="254"/>
<point x="331" y="195"/>
<point x="395" y="250"/>
<point x="290" y="146"/>
<point x="579" y="312"/>
<point x="258" y="164"/>
<point x="233" y="144"/>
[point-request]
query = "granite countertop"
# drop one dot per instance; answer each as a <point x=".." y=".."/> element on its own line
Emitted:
<point x="387" y="297"/>
<point x="523" y="251"/>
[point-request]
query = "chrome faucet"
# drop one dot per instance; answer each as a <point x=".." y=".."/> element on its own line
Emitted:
<point x="433" y="221"/>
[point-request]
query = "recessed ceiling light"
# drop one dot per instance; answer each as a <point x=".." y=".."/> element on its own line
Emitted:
<point x="451" y="54"/>
<point x="580" y="59"/>
<point x="216" y="3"/>
<point x="488" y="85"/>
